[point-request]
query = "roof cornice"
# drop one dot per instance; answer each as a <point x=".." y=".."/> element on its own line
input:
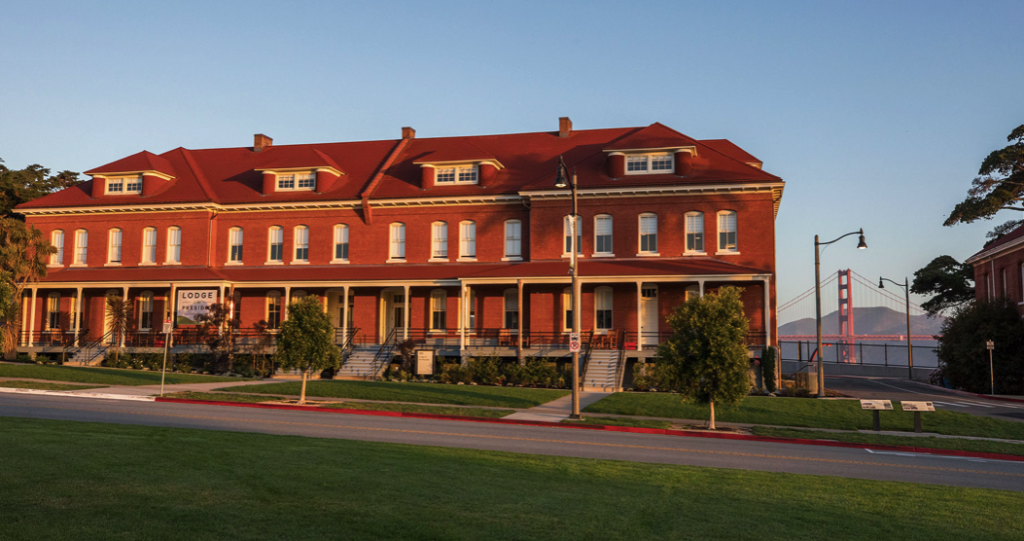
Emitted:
<point x="990" y="253"/>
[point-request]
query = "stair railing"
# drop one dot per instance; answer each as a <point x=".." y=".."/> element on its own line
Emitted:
<point x="586" y="353"/>
<point x="89" y="347"/>
<point x="620" y="366"/>
<point x="384" y="353"/>
<point x="350" y="343"/>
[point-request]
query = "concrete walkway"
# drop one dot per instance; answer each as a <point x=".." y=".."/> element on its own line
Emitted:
<point x="556" y="410"/>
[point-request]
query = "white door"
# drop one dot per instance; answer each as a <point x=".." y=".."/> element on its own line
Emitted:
<point x="395" y="316"/>
<point x="648" y="315"/>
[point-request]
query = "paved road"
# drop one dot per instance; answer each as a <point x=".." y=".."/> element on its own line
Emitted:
<point x="901" y="389"/>
<point x="775" y="457"/>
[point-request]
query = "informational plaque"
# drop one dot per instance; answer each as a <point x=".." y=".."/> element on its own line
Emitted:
<point x="917" y="406"/>
<point x="877" y="405"/>
<point x="424" y="362"/>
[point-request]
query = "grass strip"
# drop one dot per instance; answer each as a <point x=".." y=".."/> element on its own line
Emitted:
<point x="807" y="413"/>
<point x="416" y="408"/>
<point x="222" y="397"/>
<point x="956" y="444"/>
<point x="72" y="480"/>
<point x="105" y="376"/>
<point x="621" y="421"/>
<point x="45" y="385"/>
<point x="428" y="393"/>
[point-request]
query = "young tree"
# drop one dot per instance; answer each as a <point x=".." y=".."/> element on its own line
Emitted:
<point x="998" y="186"/>
<point x="707" y="349"/>
<point x="23" y="255"/>
<point x="218" y="331"/>
<point x="949" y="282"/>
<point x="119" y="315"/>
<point x="306" y="340"/>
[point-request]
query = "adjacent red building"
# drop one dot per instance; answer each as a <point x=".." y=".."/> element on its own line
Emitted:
<point x="999" y="269"/>
<point x="459" y="243"/>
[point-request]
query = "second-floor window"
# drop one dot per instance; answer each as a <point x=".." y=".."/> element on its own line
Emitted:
<point x="274" y="310"/>
<point x="81" y="246"/>
<point x="648" y="233"/>
<point x="296" y="181"/>
<point x="439" y="240"/>
<point x="302" y="244"/>
<point x="173" y="245"/>
<point x="603" y="234"/>
<point x="513" y="239"/>
<point x="235" y="245"/>
<point x="149" y="245"/>
<point x="275" y="253"/>
<point x="462" y="174"/>
<point x="467" y="240"/>
<point x="341" y="242"/>
<point x="396" y="251"/>
<point x="57" y="240"/>
<point x="694" y="232"/>
<point x="114" y="246"/>
<point x="727" y="231"/>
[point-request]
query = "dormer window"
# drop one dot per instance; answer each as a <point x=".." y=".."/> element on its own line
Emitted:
<point x="131" y="184"/>
<point x="462" y="174"/>
<point x="661" y="162"/>
<point x="289" y="182"/>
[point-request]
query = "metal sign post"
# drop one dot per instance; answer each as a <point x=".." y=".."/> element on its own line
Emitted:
<point x="989" y="345"/>
<point x="168" y="327"/>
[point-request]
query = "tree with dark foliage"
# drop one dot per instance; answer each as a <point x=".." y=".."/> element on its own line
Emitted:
<point x="963" y="358"/>
<point x="949" y="282"/>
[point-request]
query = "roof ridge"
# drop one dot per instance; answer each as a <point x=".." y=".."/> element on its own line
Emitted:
<point x="595" y="153"/>
<point x="197" y="173"/>
<point x="744" y="164"/>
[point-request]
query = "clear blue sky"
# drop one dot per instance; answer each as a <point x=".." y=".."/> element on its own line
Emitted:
<point x="877" y="114"/>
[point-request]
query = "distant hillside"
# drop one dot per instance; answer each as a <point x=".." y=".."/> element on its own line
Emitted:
<point x="871" y="320"/>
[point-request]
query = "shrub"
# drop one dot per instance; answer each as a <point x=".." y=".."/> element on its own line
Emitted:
<point x="455" y="373"/>
<point x="43" y="359"/>
<point x="768" y="365"/>
<point x="963" y="358"/>
<point x="486" y="370"/>
<point x="183" y="363"/>
<point x="23" y="358"/>
<point x="660" y="376"/>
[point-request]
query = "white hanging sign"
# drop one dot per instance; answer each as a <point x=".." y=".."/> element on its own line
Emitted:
<point x="192" y="304"/>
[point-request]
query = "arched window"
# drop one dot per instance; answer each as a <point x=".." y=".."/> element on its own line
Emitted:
<point x="727" y="231"/>
<point x="340" y="243"/>
<point x="114" y="246"/>
<point x="567" y="306"/>
<point x="439" y="240"/>
<point x="52" y="318"/>
<point x="274" y="310"/>
<point x="173" y="245"/>
<point x="57" y="240"/>
<point x="149" y="246"/>
<point x="567" y="233"/>
<point x="603" y="234"/>
<point x="235" y="246"/>
<point x="301" y="244"/>
<point x="396" y="251"/>
<point x="81" y="246"/>
<point x="146" y="311"/>
<point x="467" y="240"/>
<point x="513" y="239"/>
<point x="275" y="245"/>
<point x="511" y="308"/>
<point x="438" y="310"/>
<point x="694" y="232"/>
<point x="648" y="234"/>
<point x="603" y="308"/>
<point x="691" y="292"/>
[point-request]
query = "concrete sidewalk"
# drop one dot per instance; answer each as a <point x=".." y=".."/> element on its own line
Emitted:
<point x="149" y="390"/>
<point x="556" y="410"/>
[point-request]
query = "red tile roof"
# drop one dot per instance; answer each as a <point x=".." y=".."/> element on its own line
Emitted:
<point x="229" y="175"/>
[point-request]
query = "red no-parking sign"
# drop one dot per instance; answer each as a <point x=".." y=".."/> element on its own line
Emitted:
<point x="574" y="342"/>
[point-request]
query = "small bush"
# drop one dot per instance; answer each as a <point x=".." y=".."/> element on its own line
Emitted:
<point x="43" y="359"/>
<point x="23" y="358"/>
<point x="768" y="365"/>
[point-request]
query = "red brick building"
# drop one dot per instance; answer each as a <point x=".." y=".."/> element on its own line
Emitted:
<point x="460" y="243"/>
<point x="999" y="269"/>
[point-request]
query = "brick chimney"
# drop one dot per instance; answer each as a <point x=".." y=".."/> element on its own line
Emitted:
<point x="564" y="127"/>
<point x="261" y="142"/>
<point x="408" y="133"/>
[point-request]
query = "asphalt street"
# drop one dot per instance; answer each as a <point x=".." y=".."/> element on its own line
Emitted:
<point x="774" y="457"/>
<point x="902" y="389"/>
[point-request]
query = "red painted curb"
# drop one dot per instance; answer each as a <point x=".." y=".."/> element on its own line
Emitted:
<point x="607" y="428"/>
<point x="1003" y="398"/>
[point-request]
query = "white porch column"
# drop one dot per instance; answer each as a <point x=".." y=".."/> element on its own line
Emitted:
<point x="32" y="318"/>
<point x="519" y="323"/>
<point x="639" y="316"/>
<point x="701" y="284"/>
<point x="224" y="302"/>
<point x="287" y="301"/>
<point x="344" y="314"/>
<point x="464" y="320"/>
<point x="405" y="316"/>
<point x="78" y="314"/>
<point x="124" y="296"/>
<point x="767" y="314"/>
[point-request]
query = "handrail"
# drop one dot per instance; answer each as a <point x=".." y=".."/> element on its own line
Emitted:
<point x="385" y="350"/>
<point x="620" y="365"/>
<point x="350" y="342"/>
<point x="89" y="346"/>
<point x="586" y="352"/>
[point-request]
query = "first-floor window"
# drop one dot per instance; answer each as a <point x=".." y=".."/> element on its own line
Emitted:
<point x="146" y="311"/>
<point x="694" y="231"/>
<point x="727" y="231"/>
<point x="57" y="240"/>
<point x="341" y="242"/>
<point x="438" y="309"/>
<point x="439" y="240"/>
<point x="511" y="308"/>
<point x="302" y="243"/>
<point x="648" y="233"/>
<point x="173" y="245"/>
<point x="397" y="249"/>
<point x="235" y="245"/>
<point x="274" y="310"/>
<point x="603" y="308"/>
<point x="567" y="309"/>
<point x="53" y="311"/>
<point x="513" y="238"/>
<point x="467" y="239"/>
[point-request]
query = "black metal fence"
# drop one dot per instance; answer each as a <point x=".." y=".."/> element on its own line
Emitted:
<point x="861" y="353"/>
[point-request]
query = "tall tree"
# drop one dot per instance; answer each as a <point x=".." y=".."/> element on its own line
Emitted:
<point x="949" y="282"/>
<point x="707" y="349"/>
<point x="21" y="185"/>
<point x="23" y="255"/>
<point x="998" y="186"/>
<point x="306" y="340"/>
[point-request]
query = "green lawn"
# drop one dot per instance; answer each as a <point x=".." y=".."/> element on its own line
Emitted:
<point x="222" y="397"/>
<point x="428" y="393"/>
<point x="76" y="481"/>
<point x="104" y="376"/>
<point x="45" y="385"/>
<point x="958" y="444"/>
<point x="415" y="408"/>
<point x="806" y="412"/>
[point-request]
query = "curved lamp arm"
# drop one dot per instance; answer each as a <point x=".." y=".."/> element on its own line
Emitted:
<point x="860" y="245"/>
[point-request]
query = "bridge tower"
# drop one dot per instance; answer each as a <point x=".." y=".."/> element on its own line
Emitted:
<point x="847" y="351"/>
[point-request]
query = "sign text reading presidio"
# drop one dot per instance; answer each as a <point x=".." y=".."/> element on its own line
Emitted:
<point x="192" y="304"/>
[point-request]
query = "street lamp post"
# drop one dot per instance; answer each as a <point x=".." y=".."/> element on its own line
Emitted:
<point x="910" y="344"/>
<point x="817" y="298"/>
<point x="561" y="181"/>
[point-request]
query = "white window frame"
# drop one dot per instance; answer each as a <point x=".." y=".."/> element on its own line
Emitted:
<point x="396" y="242"/>
<point x="640" y="252"/>
<point x="646" y="160"/>
<point x="295" y="178"/>
<point x="274" y="298"/>
<point x="467" y="240"/>
<point x="439" y="305"/>
<point x="510" y="305"/>
<point x="513" y="240"/>
<point x="340" y="230"/>
<point x="567" y="306"/>
<point x="599" y="292"/>
<point x="126" y="185"/>
<point x="115" y="233"/>
<point x="735" y="250"/>
<point x="461" y="174"/>
<point x="688" y="231"/>
<point x="567" y="235"/>
<point x="146" y="300"/>
<point x="272" y="231"/>
<point x="439" y="242"/>
<point x="52" y="307"/>
<point x="300" y="245"/>
<point x="148" y="256"/>
<point x="173" y="256"/>
<point x="57" y="240"/>
<point x="231" y="244"/>
<point x="611" y="235"/>
<point x="80" y="257"/>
